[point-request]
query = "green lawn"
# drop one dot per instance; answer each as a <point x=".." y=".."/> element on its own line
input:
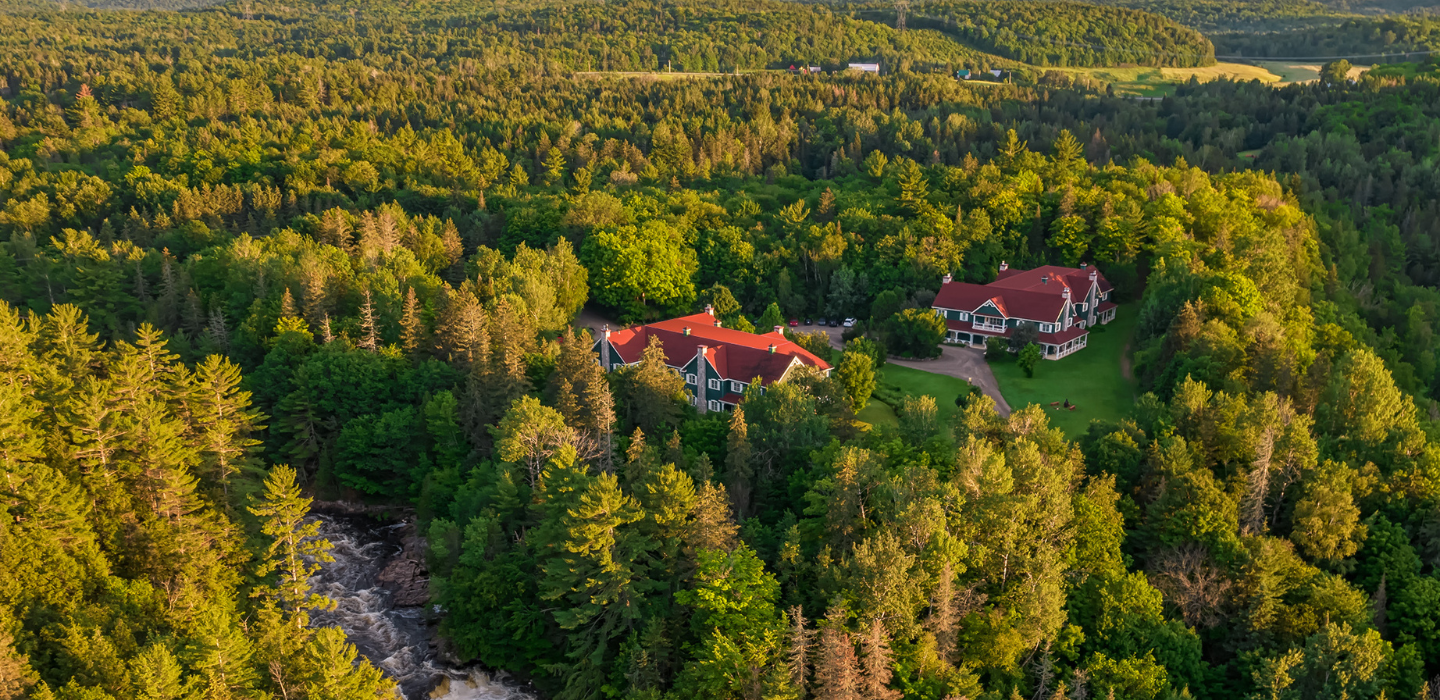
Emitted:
<point x="897" y="382"/>
<point x="1090" y="379"/>
<point x="877" y="412"/>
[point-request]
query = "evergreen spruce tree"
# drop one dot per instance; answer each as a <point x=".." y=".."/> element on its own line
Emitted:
<point x="739" y="475"/>
<point x="294" y="553"/>
<point x="223" y="421"/>
<point x="878" y="661"/>
<point x="412" y="329"/>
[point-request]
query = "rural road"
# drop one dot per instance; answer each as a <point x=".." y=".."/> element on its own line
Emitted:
<point x="962" y="363"/>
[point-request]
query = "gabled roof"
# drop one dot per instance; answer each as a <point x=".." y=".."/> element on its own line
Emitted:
<point x="1078" y="279"/>
<point x="1032" y="295"/>
<point x="735" y="354"/>
<point x="1014" y="303"/>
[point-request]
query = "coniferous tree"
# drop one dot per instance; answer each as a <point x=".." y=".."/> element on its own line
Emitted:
<point x="837" y="671"/>
<point x="223" y="420"/>
<point x="412" y="329"/>
<point x="294" y="553"/>
<point x="877" y="661"/>
<point x="739" y="470"/>
<point x="798" y="658"/>
<point x="369" y="334"/>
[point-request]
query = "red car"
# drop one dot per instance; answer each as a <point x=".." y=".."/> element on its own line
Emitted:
<point x="794" y="322"/>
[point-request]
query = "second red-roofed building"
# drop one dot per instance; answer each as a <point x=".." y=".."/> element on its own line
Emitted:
<point x="1062" y="302"/>
<point x="718" y="363"/>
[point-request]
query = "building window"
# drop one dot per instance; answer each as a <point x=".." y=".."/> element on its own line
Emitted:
<point x="714" y="405"/>
<point x="737" y="387"/>
<point x="715" y="384"/>
<point x="964" y="316"/>
<point x="689" y="379"/>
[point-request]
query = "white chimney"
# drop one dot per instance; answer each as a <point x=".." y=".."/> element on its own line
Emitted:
<point x="780" y="330"/>
<point x="717" y="323"/>
<point x="1003" y="266"/>
<point x="946" y="279"/>
<point x="1065" y="293"/>
<point x="1092" y="275"/>
<point x="710" y="309"/>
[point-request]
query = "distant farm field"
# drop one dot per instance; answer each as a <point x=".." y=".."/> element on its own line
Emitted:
<point x="1145" y="81"/>
<point x="1292" y="72"/>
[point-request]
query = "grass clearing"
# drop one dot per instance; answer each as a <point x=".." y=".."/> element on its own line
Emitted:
<point x="877" y="412"/>
<point x="1143" y="81"/>
<point x="897" y="382"/>
<point x="1091" y="379"/>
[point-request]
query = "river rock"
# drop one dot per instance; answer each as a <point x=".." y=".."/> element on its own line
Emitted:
<point x="405" y="576"/>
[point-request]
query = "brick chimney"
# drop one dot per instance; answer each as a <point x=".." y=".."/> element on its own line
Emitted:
<point x="605" y="347"/>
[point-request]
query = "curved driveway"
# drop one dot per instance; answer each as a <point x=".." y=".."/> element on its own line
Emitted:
<point x="959" y="362"/>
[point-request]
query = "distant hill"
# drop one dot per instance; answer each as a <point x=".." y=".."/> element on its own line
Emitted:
<point x="1068" y="33"/>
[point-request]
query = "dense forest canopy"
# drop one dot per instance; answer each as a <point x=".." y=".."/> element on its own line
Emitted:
<point x="1063" y="33"/>
<point x="250" y="254"/>
<point x="1395" y="38"/>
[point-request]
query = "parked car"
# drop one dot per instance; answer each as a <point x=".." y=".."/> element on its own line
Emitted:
<point x="850" y="322"/>
<point x="834" y="323"/>
<point x="809" y="322"/>
<point x="794" y="322"/>
<point x="820" y="321"/>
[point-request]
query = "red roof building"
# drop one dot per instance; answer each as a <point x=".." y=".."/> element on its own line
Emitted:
<point x="718" y="363"/>
<point x="1063" y="302"/>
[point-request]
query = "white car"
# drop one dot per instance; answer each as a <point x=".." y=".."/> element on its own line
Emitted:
<point x="849" y="323"/>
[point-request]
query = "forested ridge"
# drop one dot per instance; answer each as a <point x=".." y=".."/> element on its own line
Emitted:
<point x="1394" y="35"/>
<point x="247" y="261"/>
<point x="1069" y="34"/>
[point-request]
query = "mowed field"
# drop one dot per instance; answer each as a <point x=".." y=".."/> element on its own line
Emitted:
<point x="1291" y="72"/>
<point x="1142" y="81"/>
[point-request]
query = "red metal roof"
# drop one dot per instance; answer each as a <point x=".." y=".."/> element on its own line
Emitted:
<point x="735" y="354"/>
<point x="1033" y="295"/>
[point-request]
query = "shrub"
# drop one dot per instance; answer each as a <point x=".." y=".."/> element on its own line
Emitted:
<point x="997" y="349"/>
<point x="1029" y="357"/>
<point x="915" y="332"/>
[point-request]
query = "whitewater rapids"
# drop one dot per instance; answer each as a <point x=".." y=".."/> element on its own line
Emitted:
<point x="396" y="639"/>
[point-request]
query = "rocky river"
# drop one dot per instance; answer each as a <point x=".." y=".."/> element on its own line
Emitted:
<point x="380" y="586"/>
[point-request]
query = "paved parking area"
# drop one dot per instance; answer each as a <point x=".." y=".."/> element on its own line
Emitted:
<point x="962" y="363"/>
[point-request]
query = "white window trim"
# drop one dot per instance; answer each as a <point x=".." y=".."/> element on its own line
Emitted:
<point x="737" y="387"/>
<point x="714" y="384"/>
<point x="689" y="378"/>
<point x="714" y="405"/>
